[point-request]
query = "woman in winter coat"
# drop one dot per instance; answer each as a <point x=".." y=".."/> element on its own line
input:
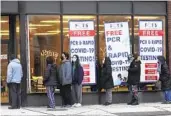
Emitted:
<point x="77" y="78"/>
<point x="165" y="78"/>
<point x="134" y="73"/>
<point x="50" y="80"/>
<point x="107" y="80"/>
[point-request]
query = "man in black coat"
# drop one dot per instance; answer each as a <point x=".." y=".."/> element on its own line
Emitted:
<point x="134" y="73"/>
<point x="165" y="78"/>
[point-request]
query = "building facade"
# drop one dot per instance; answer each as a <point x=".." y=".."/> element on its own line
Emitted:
<point x="33" y="30"/>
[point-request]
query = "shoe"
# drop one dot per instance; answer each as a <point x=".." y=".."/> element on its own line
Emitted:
<point x="130" y="103"/>
<point x="78" y="105"/>
<point x="13" y="108"/>
<point x="52" y="109"/>
<point x="166" y="102"/>
<point x="135" y="103"/>
<point x="107" y="103"/>
<point x="74" y="105"/>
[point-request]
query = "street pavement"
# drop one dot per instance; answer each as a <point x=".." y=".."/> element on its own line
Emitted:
<point x="144" y="109"/>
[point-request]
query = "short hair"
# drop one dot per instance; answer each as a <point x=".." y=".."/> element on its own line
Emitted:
<point x="66" y="55"/>
<point x="12" y="57"/>
<point x="49" y="60"/>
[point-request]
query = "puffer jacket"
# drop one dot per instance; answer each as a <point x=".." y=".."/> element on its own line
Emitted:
<point x="50" y="77"/>
<point x="134" y="72"/>
<point x="165" y="77"/>
<point x="65" y="73"/>
<point x="14" y="72"/>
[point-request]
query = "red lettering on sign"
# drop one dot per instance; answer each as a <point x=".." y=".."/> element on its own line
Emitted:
<point x="86" y="79"/>
<point x="77" y="33"/>
<point x="112" y="33"/>
<point x="150" y="33"/>
<point x="150" y="71"/>
<point x="150" y="77"/>
<point x="86" y="66"/>
<point x="150" y="65"/>
<point x="86" y="73"/>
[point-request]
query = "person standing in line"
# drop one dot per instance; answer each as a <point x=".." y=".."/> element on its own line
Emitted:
<point x="50" y="80"/>
<point x="134" y="73"/>
<point x="77" y="78"/>
<point x="14" y="76"/>
<point x="165" y="79"/>
<point x="65" y="77"/>
<point x="107" y="80"/>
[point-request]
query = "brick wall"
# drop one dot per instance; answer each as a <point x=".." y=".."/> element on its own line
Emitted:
<point x="169" y="33"/>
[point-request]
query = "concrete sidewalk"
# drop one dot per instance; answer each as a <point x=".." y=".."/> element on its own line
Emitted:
<point x="144" y="109"/>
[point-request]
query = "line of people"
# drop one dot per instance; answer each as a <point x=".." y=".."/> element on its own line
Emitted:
<point x="69" y="75"/>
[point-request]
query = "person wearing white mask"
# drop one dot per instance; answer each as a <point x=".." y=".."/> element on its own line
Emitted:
<point x="77" y="78"/>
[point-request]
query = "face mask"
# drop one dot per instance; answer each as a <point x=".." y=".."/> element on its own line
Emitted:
<point x="74" y="59"/>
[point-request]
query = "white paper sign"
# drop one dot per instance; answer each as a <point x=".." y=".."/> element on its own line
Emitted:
<point x="118" y="49"/>
<point x="150" y="46"/>
<point x="82" y="43"/>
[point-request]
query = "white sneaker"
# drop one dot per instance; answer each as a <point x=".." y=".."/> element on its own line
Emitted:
<point x="74" y="105"/>
<point x="78" y="105"/>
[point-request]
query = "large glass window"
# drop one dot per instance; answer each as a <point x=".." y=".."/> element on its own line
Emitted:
<point x="4" y="35"/>
<point x="66" y="39"/>
<point x="148" y="86"/>
<point x="102" y="43"/>
<point x="44" y="40"/>
<point x="4" y="27"/>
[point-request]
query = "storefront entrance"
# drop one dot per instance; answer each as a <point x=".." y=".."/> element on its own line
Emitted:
<point x="9" y="39"/>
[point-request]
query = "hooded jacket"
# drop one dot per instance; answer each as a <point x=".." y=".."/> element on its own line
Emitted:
<point x="14" y="72"/>
<point x="165" y="77"/>
<point x="106" y="80"/>
<point x="134" y="72"/>
<point x="50" y="77"/>
<point x="65" y="73"/>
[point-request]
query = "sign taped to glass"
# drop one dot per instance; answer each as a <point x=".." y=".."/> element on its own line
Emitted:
<point x="118" y="49"/>
<point x="82" y="43"/>
<point x="150" y="46"/>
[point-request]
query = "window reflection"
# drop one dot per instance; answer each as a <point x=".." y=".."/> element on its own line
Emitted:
<point x="44" y="40"/>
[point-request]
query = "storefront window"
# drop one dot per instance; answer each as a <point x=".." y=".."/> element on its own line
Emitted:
<point x="145" y="84"/>
<point x="44" y="40"/>
<point x="4" y="35"/>
<point x="4" y="27"/>
<point x="102" y="41"/>
<point x="66" y="38"/>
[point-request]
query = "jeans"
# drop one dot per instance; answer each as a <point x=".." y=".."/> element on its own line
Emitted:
<point x="167" y="95"/>
<point x="133" y="92"/>
<point x="50" y="93"/>
<point x="109" y="95"/>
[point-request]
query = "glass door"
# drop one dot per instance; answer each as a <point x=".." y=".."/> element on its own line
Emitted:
<point x="4" y="36"/>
